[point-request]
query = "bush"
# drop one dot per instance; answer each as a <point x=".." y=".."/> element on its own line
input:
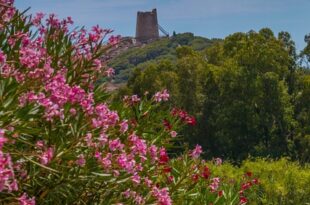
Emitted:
<point x="280" y="182"/>
<point x="63" y="142"/>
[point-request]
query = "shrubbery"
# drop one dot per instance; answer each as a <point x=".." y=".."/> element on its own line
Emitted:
<point x="63" y="142"/>
<point x="248" y="92"/>
<point x="280" y="181"/>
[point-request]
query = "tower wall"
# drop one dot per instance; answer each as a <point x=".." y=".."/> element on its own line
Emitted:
<point x="147" y="26"/>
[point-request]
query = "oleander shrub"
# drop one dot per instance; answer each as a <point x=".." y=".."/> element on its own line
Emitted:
<point x="279" y="181"/>
<point x="62" y="141"/>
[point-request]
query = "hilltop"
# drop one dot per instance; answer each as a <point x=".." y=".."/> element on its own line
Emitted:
<point x="163" y="48"/>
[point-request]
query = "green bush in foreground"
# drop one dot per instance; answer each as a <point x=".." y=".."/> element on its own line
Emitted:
<point x="280" y="181"/>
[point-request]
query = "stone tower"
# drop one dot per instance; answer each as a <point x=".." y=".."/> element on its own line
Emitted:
<point x="147" y="26"/>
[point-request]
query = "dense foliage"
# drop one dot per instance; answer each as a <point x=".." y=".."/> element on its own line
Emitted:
<point x="249" y="92"/>
<point x="280" y="182"/>
<point x="158" y="50"/>
<point x="62" y="141"/>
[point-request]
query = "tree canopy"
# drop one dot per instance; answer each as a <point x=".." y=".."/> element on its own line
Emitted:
<point x="248" y="91"/>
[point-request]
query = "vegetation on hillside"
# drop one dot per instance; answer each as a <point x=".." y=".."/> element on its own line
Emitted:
<point x="163" y="48"/>
<point x="249" y="92"/>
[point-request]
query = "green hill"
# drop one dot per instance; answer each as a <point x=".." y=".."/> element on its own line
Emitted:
<point x="163" y="48"/>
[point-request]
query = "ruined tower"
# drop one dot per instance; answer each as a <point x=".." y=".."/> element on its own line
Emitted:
<point x="147" y="26"/>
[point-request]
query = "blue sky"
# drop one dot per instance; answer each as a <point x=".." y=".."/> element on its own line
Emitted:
<point x="209" y="18"/>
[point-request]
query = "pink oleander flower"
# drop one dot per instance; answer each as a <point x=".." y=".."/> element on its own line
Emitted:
<point x="103" y="139"/>
<point x="97" y="155"/>
<point x="153" y="152"/>
<point x="126" y="162"/>
<point x="106" y="161"/>
<point x="2" y="57"/>
<point x="184" y="116"/>
<point x="218" y="161"/>
<point x="124" y="126"/>
<point x="157" y="97"/>
<point x="81" y="160"/>
<point x="6" y="12"/>
<point x="163" y="156"/>
<point x="72" y="111"/>
<point x="116" y="145"/>
<point x="131" y="100"/>
<point x="97" y="29"/>
<point x="148" y="182"/>
<point x="161" y="96"/>
<point x="110" y="72"/>
<point x="105" y="117"/>
<point x="7" y="177"/>
<point x="135" y="99"/>
<point x="139" y="146"/>
<point x="37" y="19"/>
<point x="47" y="156"/>
<point x="243" y="200"/>
<point x="136" y="178"/>
<point x="173" y="134"/>
<point x="138" y="199"/>
<point x="162" y="196"/>
<point x="53" y="21"/>
<point x="2" y="138"/>
<point x="88" y="139"/>
<point x="165" y="95"/>
<point x="40" y="144"/>
<point x="113" y="40"/>
<point x="126" y="193"/>
<point x="215" y="184"/>
<point x="196" y="152"/>
<point x="97" y="64"/>
<point x="25" y="200"/>
<point x="2" y="132"/>
<point x="30" y="57"/>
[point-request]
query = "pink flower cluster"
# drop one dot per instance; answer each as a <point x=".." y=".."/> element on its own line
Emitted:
<point x="104" y="117"/>
<point x="138" y="199"/>
<point x="139" y="146"/>
<point x="2" y="58"/>
<point x="7" y="176"/>
<point x="131" y="100"/>
<point x="36" y="61"/>
<point x="215" y="184"/>
<point x="81" y="161"/>
<point x="38" y="18"/>
<point x="162" y="196"/>
<point x="57" y="94"/>
<point x="46" y="153"/>
<point x="8" y="181"/>
<point x="47" y="156"/>
<point x="114" y="40"/>
<point x="161" y="96"/>
<point x="7" y="11"/>
<point x="126" y="162"/>
<point x="196" y="152"/>
<point x="25" y="200"/>
<point x="184" y="116"/>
